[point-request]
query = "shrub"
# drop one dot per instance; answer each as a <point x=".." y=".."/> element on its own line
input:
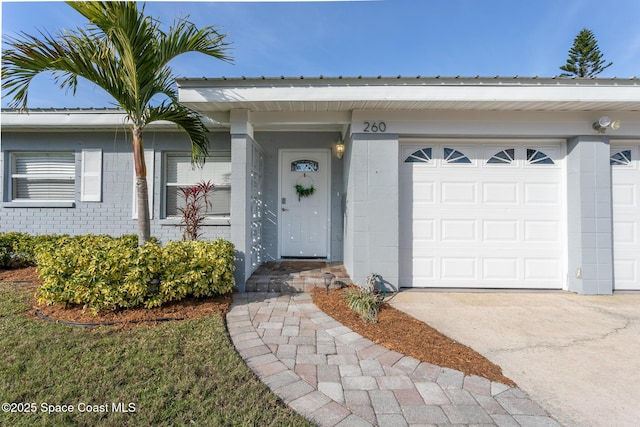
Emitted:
<point x="15" y="249"/>
<point x="6" y="249"/>
<point x="365" y="300"/>
<point x="196" y="268"/>
<point x="20" y="248"/>
<point x="83" y="269"/>
<point x="106" y="273"/>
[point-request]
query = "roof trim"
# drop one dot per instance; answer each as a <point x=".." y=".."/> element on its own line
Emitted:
<point x="421" y="93"/>
<point x="76" y="118"/>
<point x="418" y="78"/>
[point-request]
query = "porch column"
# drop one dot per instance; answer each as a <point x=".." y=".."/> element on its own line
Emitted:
<point x="589" y="215"/>
<point x="371" y="238"/>
<point x="241" y="152"/>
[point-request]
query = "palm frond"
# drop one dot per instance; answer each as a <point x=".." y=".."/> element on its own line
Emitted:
<point x="28" y="57"/>
<point x="120" y="50"/>
<point x="184" y="36"/>
<point x="189" y="121"/>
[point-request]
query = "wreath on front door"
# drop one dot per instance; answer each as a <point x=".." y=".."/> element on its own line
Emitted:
<point x="304" y="191"/>
<point x="304" y="186"/>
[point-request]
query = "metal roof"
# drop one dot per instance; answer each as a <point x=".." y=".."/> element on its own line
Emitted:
<point x="418" y="77"/>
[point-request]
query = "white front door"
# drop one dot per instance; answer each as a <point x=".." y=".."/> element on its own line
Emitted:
<point x="304" y="217"/>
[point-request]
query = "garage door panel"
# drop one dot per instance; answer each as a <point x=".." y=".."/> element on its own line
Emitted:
<point x="625" y="271"/>
<point x="500" y="231"/>
<point x="487" y="225"/>
<point x="424" y="192"/>
<point x="542" y="269"/>
<point x="500" y="193"/>
<point x="501" y="269"/>
<point x="625" y="232"/>
<point x="422" y="210"/>
<point x="424" y="230"/>
<point x="458" y="268"/>
<point x="458" y="192"/>
<point x="541" y="193"/>
<point x="425" y="267"/>
<point x="458" y="230"/>
<point x="624" y="195"/>
<point x="542" y="231"/>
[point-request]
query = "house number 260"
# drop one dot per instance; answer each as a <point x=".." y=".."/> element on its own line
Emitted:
<point x="375" y="127"/>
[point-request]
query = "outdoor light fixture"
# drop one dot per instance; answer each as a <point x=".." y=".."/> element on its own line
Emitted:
<point x="605" y="122"/>
<point x="328" y="277"/>
<point x="339" y="149"/>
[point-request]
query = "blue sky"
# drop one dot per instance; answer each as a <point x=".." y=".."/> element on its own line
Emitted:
<point x="369" y="38"/>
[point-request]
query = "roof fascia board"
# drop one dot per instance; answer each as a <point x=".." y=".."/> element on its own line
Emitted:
<point x="461" y="93"/>
<point x="77" y="119"/>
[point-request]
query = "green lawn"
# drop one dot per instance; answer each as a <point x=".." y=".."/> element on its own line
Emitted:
<point x="179" y="373"/>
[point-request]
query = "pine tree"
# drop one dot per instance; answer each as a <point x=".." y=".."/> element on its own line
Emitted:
<point x="585" y="58"/>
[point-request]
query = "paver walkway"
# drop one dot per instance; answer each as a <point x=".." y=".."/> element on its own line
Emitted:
<point x="335" y="377"/>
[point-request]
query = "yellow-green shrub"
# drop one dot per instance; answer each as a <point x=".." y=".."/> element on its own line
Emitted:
<point x="7" y="253"/>
<point x="20" y="248"/>
<point x="105" y="273"/>
<point x="195" y="268"/>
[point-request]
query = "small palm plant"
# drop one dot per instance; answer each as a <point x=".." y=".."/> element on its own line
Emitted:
<point x="365" y="300"/>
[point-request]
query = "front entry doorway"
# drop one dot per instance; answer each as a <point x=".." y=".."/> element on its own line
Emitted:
<point x="304" y="203"/>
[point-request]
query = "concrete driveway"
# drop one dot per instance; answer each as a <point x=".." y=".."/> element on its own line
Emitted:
<point x="577" y="356"/>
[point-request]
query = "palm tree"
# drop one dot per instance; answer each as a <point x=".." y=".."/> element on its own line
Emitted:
<point x="125" y="53"/>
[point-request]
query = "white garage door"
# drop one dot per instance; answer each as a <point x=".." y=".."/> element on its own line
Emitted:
<point x="625" y="180"/>
<point x="482" y="215"/>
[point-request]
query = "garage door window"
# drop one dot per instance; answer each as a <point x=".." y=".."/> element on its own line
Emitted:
<point x="454" y="156"/>
<point x="421" y="156"/>
<point x="536" y="157"/>
<point x="504" y="157"/>
<point x="621" y="158"/>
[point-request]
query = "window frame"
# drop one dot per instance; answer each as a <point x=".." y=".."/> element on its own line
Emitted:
<point x="466" y="152"/>
<point x="11" y="199"/>
<point x="549" y="154"/>
<point x="220" y="219"/>
<point x="618" y="163"/>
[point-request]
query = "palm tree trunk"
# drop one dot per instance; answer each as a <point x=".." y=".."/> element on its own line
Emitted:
<point x="142" y="192"/>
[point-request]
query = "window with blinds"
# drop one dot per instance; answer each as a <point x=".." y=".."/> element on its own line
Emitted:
<point x="180" y="172"/>
<point x="43" y="176"/>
